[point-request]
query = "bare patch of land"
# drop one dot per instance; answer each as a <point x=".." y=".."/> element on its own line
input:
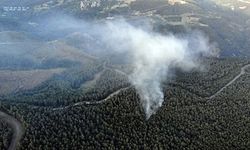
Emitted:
<point x="13" y="81"/>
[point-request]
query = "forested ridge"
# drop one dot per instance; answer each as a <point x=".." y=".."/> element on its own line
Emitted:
<point x="187" y="120"/>
<point x="79" y="94"/>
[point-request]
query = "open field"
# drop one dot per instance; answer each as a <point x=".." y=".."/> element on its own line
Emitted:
<point x="14" y="81"/>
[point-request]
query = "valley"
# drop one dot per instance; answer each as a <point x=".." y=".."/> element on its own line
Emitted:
<point x="125" y="74"/>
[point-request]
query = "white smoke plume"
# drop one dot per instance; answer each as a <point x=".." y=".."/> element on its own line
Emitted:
<point x="153" y="55"/>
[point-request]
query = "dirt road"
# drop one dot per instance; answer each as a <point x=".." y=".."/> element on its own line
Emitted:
<point x="243" y="71"/>
<point x="16" y="127"/>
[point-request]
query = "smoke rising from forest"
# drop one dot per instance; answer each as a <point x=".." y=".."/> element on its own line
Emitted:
<point x="153" y="55"/>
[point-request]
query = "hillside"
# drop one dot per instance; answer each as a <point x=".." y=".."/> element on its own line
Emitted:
<point x="237" y="5"/>
<point x="224" y="26"/>
<point x="14" y="81"/>
<point x="124" y="74"/>
<point x="186" y="120"/>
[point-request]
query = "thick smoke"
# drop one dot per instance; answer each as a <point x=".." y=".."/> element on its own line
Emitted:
<point x="153" y="55"/>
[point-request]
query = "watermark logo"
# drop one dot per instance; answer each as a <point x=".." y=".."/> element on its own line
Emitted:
<point x="15" y="8"/>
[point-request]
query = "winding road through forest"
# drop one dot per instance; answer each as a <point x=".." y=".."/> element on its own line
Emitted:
<point x="17" y="129"/>
<point x="93" y="81"/>
<point x="243" y="71"/>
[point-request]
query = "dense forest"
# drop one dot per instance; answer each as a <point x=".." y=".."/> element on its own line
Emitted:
<point x="79" y="93"/>
<point x="205" y="84"/>
<point x="187" y="119"/>
<point x="6" y="133"/>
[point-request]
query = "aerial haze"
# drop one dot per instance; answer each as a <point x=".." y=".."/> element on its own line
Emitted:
<point x="124" y="74"/>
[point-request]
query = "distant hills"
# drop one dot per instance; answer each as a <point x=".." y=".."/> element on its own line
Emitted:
<point x="235" y="5"/>
<point x="226" y="22"/>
